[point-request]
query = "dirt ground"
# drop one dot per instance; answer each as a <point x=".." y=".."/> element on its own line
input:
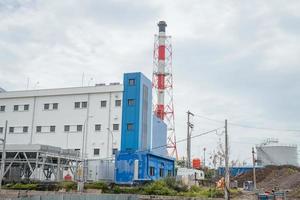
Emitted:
<point x="283" y="177"/>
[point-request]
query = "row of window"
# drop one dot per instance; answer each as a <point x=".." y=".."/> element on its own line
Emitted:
<point x="161" y="172"/>
<point x="96" y="151"/>
<point x="54" y="106"/>
<point x="51" y="129"/>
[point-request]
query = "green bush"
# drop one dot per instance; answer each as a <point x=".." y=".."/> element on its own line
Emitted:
<point x="97" y="185"/>
<point x="20" y="186"/>
<point x="68" y="185"/>
<point x="195" y="188"/>
<point x="158" y="188"/>
<point x="178" y="186"/>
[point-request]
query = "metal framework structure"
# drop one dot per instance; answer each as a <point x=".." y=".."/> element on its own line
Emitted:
<point x="162" y="81"/>
<point x="30" y="161"/>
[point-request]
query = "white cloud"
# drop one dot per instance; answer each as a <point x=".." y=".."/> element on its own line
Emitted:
<point x="232" y="59"/>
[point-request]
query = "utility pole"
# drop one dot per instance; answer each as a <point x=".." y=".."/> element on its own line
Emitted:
<point x="254" y="176"/>
<point x="3" y="155"/>
<point x="188" y="147"/>
<point x="227" y="178"/>
<point x="204" y="149"/>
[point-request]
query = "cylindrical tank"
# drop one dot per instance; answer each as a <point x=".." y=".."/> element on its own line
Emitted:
<point x="196" y="163"/>
<point x="277" y="154"/>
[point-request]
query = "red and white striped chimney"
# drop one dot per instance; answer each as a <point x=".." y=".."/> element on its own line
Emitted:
<point x="160" y="110"/>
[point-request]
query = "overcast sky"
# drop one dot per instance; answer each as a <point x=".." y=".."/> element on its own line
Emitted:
<point x="238" y="60"/>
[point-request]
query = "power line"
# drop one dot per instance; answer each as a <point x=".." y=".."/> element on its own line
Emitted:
<point x="249" y="126"/>
<point x="178" y="141"/>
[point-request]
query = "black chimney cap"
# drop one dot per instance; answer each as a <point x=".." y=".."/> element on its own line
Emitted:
<point x="162" y="26"/>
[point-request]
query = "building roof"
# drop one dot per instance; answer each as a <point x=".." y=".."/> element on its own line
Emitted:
<point x="62" y="91"/>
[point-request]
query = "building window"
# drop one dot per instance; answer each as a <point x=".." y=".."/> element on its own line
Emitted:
<point x="131" y="102"/>
<point x="114" y="151"/>
<point x="11" y="129"/>
<point x="46" y="106"/>
<point x="97" y="127"/>
<point x="79" y="128"/>
<point x="55" y="106"/>
<point x="131" y="82"/>
<point x="16" y="107"/>
<point x="38" y="129"/>
<point x="130" y="127"/>
<point x="151" y="171"/>
<point x="161" y="172"/>
<point x="84" y="104"/>
<point x="96" y="152"/>
<point x="1" y="129"/>
<point x="170" y="173"/>
<point x="26" y="107"/>
<point x="2" y="108"/>
<point x="77" y="105"/>
<point x="103" y="104"/>
<point x="52" y="129"/>
<point x="49" y="106"/>
<point x="67" y="128"/>
<point x="78" y="150"/>
<point x="117" y="103"/>
<point x="115" y="127"/>
<point x="25" y="129"/>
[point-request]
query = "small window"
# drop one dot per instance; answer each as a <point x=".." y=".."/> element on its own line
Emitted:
<point x="117" y="103"/>
<point x="78" y="150"/>
<point x="103" y="104"/>
<point x="25" y="129"/>
<point x="77" y="105"/>
<point x="16" y="107"/>
<point x="11" y="129"/>
<point x="114" y="151"/>
<point x="130" y="127"/>
<point x="46" y="106"/>
<point x="2" y="108"/>
<point x="97" y="127"/>
<point x="131" y="81"/>
<point x="79" y="128"/>
<point x="38" y="129"/>
<point x="96" y="152"/>
<point x="26" y="107"/>
<point x="170" y="173"/>
<point x="67" y="128"/>
<point x="131" y="102"/>
<point x="1" y="129"/>
<point x="52" y="128"/>
<point x="161" y="172"/>
<point x="115" y="127"/>
<point x="151" y="171"/>
<point x="55" y="106"/>
<point x="84" y="104"/>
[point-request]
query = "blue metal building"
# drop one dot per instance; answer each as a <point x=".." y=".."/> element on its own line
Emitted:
<point x="236" y="171"/>
<point x="136" y="161"/>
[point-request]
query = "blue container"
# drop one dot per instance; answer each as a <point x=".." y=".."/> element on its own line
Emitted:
<point x="150" y="167"/>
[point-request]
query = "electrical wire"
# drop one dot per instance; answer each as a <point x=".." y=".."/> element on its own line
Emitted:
<point x="249" y="126"/>
<point x="178" y="141"/>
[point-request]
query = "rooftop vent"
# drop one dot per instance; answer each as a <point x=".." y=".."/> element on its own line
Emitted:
<point x="115" y="83"/>
<point x="100" y="84"/>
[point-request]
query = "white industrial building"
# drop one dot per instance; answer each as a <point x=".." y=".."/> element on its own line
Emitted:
<point x="76" y="118"/>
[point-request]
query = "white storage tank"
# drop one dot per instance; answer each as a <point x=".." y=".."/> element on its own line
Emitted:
<point x="273" y="153"/>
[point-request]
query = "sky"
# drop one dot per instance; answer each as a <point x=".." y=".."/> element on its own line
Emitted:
<point x="234" y="60"/>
